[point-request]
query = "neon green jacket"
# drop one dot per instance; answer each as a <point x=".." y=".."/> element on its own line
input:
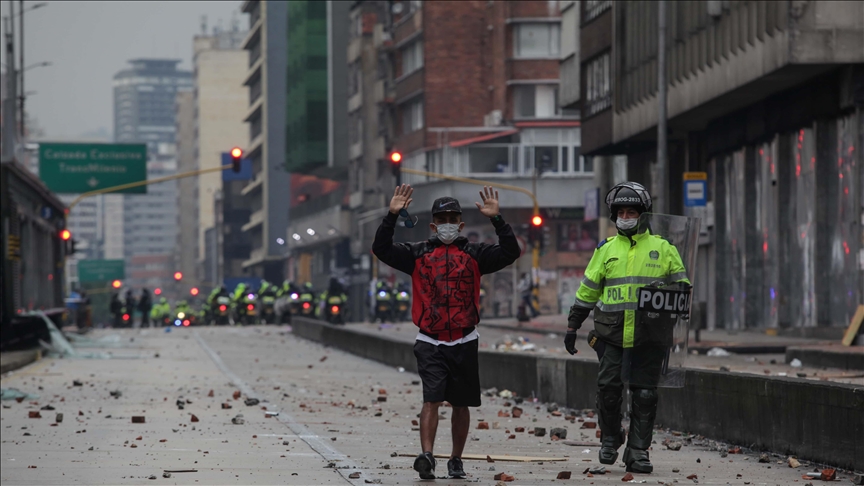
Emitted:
<point x="611" y="282"/>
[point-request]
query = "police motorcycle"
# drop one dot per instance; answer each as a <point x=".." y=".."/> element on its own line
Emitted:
<point x="383" y="303"/>
<point x="247" y="308"/>
<point x="267" y="303"/>
<point x="402" y="306"/>
<point x="333" y="309"/>
<point x="184" y="315"/>
<point x="307" y="301"/>
<point x="221" y="310"/>
<point x="160" y="314"/>
<point x="287" y="302"/>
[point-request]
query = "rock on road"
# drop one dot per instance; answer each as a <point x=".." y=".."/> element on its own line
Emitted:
<point x="341" y="420"/>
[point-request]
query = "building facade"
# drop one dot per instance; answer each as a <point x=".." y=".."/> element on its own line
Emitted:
<point x="766" y="99"/>
<point x="145" y="224"/>
<point x="186" y="254"/>
<point x="269" y="189"/>
<point x="485" y="104"/>
<point x="220" y="101"/>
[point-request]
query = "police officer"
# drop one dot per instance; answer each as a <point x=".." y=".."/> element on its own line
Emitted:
<point x="620" y="265"/>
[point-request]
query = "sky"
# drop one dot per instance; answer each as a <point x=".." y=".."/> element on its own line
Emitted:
<point x="88" y="42"/>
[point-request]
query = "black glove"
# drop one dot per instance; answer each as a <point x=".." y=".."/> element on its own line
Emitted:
<point x="570" y="341"/>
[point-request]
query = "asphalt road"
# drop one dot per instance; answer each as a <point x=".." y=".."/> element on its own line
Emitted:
<point x="332" y="427"/>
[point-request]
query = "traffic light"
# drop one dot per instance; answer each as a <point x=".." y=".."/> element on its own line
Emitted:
<point x="396" y="165"/>
<point x="236" y="157"/>
<point x="178" y="276"/>
<point x="535" y="231"/>
<point x="158" y="291"/>
<point x="116" y="284"/>
<point x="193" y="291"/>
<point x="68" y="241"/>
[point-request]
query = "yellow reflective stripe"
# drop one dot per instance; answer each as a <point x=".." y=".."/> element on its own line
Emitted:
<point x="629" y="328"/>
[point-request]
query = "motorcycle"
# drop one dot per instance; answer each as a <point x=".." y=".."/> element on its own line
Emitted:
<point x="267" y="306"/>
<point x="307" y="304"/>
<point x="403" y="306"/>
<point x="290" y="307"/>
<point x="247" y="309"/>
<point x="184" y="318"/>
<point x="334" y="310"/>
<point x="220" y="311"/>
<point x="383" y="306"/>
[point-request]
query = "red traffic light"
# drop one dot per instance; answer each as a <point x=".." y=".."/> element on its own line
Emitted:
<point x="194" y="291"/>
<point x="536" y="220"/>
<point x="236" y="152"/>
<point x="158" y="291"/>
<point x="65" y="235"/>
<point x="395" y="157"/>
<point x="116" y="284"/>
<point x="178" y="276"/>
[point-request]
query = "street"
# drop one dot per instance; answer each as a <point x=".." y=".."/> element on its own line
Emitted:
<point x="331" y="425"/>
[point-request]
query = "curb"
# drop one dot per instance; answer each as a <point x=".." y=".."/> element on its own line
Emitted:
<point x="14" y="360"/>
<point x="843" y="358"/>
<point x="818" y="421"/>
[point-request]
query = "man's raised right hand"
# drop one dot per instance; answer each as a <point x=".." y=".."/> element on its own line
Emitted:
<point x="401" y="198"/>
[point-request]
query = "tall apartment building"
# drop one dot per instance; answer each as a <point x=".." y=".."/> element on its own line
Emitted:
<point x="481" y="103"/>
<point x="220" y="101"/>
<point x="297" y="113"/>
<point x="142" y="228"/>
<point x="766" y="98"/>
<point x="186" y="255"/>
<point x="269" y="188"/>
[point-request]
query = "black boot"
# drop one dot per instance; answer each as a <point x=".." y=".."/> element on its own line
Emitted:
<point x="641" y="430"/>
<point x="609" y="418"/>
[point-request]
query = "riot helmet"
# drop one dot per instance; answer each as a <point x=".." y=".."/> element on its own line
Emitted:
<point x="628" y="194"/>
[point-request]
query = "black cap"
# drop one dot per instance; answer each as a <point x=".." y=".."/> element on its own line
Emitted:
<point x="446" y="205"/>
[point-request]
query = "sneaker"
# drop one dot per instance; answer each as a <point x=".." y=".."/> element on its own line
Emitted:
<point x="454" y="468"/>
<point x="425" y="465"/>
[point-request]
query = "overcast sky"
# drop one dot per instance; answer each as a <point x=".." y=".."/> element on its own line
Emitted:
<point x="88" y="42"/>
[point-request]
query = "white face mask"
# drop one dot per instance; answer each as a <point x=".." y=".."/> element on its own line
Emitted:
<point x="447" y="233"/>
<point x="626" y="224"/>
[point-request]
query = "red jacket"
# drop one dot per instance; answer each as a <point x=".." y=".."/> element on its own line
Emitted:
<point x="445" y="278"/>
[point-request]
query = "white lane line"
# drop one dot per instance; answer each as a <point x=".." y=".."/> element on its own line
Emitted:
<point x="314" y="441"/>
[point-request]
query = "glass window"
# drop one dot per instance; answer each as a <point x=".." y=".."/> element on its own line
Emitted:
<point x="565" y="160"/>
<point x="547" y="158"/>
<point x="533" y="40"/>
<point x="412" y="116"/>
<point x="412" y="57"/>
<point x="536" y="101"/>
<point x="489" y="159"/>
<point x="598" y="85"/>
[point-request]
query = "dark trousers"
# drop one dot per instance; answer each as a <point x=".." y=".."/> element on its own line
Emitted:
<point x="640" y="368"/>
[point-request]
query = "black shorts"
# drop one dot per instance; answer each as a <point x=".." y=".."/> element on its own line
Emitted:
<point x="449" y="373"/>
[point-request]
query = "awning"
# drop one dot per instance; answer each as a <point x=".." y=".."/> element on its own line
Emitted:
<point x="548" y="124"/>
<point x="483" y="138"/>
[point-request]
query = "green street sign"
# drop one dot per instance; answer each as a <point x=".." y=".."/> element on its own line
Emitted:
<point x="101" y="270"/>
<point x="75" y="168"/>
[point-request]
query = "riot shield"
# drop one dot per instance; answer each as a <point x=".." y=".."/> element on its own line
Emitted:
<point x="662" y="304"/>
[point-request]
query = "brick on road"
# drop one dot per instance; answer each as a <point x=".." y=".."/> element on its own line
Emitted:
<point x="333" y="402"/>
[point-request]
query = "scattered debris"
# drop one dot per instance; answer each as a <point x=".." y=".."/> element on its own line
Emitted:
<point x="34" y="414"/>
<point x="354" y="475"/>
<point x="166" y="475"/>
<point x="116" y="393"/>
<point x="505" y="394"/>
<point x="238" y="420"/>
<point x="226" y="406"/>
<point x="504" y="477"/>
<point x="152" y="476"/>
<point x="179" y="470"/>
<point x="796" y="363"/>
<point x="718" y="352"/>
<point x="483" y="426"/>
<point x="251" y="402"/>
<point x="15" y="394"/>
<point x="735" y="450"/>
<point x="236" y="395"/>
<point x="138" y="419"/>
<point x="47" y="407"/>
<point x="59" y="418"/>
<point x="77" y="383"/>
<point x="539" y="431"/>
<point x="516" y="412"/>
<point x="194" y="418"/>
<point x="674" y="445"/>
<point x="271" y="414"/>
<point x="564" y="475"/>
<point x="598" y="470"/>
<point x="793" y="462"/>
<point x="693" y="477"/>
<point x="828" y="475"/>
<point x="763" y="458"/>
<point x="559" y="432"/>
<point x="181" y="403"/>
<point x="627" y="477"/>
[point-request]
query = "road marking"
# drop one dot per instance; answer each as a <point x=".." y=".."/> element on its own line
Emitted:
<point x="312" y="440"/>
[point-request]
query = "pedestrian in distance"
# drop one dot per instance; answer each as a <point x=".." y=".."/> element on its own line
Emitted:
<point x="445" y="273"/>
<point x="623" y="337"/>
<point x="145" y="305"/>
